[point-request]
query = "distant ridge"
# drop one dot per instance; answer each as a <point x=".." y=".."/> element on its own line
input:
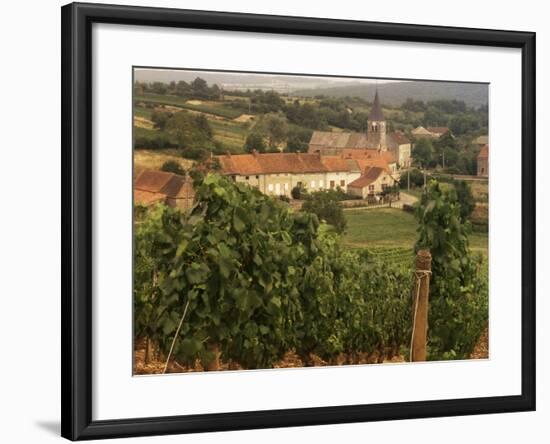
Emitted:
<point x="391" y="93"/>
<point x="473" y="94"/>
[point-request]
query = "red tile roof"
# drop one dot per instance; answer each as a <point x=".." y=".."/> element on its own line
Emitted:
<point x="338" y="163"/>
<point x="375" y="156"/>
<point x="399" y="138"/>
<point x="152" y="181"/>
<point x="370" y="175"/>
<point x="350" y="160"/>
<point x="275" y="163"/>
<point x="484" y="153"/>
<point x="157" y="186"/>
<point x="147" y="197"/>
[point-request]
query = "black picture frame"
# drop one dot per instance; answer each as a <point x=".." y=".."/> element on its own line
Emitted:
<point x="76" y="129"/>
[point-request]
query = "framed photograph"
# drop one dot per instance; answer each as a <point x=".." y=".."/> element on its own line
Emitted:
<point x="282" y="221"/>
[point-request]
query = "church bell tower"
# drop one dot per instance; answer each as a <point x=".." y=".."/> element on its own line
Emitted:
<point x="376" y="134"/>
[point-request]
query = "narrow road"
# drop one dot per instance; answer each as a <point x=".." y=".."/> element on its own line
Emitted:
<point x="404" y="199"/>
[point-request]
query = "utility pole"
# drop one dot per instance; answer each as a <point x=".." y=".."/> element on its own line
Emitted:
<point x="409" y="179"/>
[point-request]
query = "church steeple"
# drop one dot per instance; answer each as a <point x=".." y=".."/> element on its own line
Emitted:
<point x="376" y="114"/>
<point x="376" y="135"/>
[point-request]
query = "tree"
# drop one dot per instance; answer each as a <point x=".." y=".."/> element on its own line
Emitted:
<point x="172" y="166"/>
<point x="276" y="128"/>
<point x="423" y="152"/>
<point x="254" y="141"/>
<point x="325" y="204"/>
<point x="192" y="134"/>
<point x="203" y="126"/>
<point x="159" y="119"/>
<point x="182" y="127"/>
<point x="434" y="117"/>
<point x="298" y="140"/>
<point x="415" y="176"/>
<point x="199" y="88"/>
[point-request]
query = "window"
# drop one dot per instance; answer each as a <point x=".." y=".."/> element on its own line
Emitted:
<point x="247" y="177"/>
<point x="342" y="183"/>
<point x="270" y="188"/>
<point x="320" y="184"/>
<point x="286" y="186"/>
<point x="312" y="184"/>
<point x="257" y="177"/>
<point x="332" y="183"/>
<point x="371" y="187"/>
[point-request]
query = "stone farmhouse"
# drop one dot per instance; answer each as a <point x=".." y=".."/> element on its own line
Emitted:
<point x="377" y="138"/>
<point x="152" y="187"/>
<point x="374" y="181"/>
<point x="483" y="162"/>
<point x="431" y="132"/>
<point x="277" y="174"/>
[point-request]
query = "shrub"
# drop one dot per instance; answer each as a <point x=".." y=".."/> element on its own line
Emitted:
<point x="298" y="192"/>
<point x="458" y="310"/>
<point x="327" y="207"/>
<point x="416" y="178"/>
<point x="172" y="166"/>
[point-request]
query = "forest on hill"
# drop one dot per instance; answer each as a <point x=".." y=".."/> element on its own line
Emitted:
<point x="396" y="93"/>
<point x="196" y="119"/>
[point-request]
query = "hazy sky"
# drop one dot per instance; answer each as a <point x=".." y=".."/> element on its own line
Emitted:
<point x="167" y="75"/>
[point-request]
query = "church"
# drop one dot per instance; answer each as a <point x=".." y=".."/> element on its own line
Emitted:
<point x="377" y="139"/>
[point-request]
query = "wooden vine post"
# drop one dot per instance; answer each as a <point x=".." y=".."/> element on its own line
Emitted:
<point x="420" y="305"/>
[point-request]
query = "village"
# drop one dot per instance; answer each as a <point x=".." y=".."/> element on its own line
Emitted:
<point x="299" y="217"/>
<point x="367" y="166"/>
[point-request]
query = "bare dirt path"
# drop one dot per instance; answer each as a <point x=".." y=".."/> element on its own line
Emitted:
<point x="481" y="350"/>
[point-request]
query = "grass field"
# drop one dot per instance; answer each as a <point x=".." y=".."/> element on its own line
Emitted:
<point x="231" y="134"/>
<point x="210" y="107"/>
<point x="392" y="229"/>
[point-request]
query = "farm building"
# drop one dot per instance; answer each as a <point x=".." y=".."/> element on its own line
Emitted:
<point x="483" y="162"/>
<point x="431" y="132"/>
<point x="374" y="181"/>
<point x="375" y="139"/>
<point x="278" y="173"/>
<point x="481" y="141"/>
<point x="152" y="187"/>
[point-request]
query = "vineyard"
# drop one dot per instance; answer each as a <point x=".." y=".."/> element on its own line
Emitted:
<point x="242" y="281"/>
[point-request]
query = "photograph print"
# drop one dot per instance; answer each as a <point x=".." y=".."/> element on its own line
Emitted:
<point x="286" y="221"/>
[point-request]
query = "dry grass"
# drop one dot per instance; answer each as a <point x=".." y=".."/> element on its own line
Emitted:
<point x="142" y="122"/>
<point x="480" y="190"/>
<point x="481" y="350"/>
<point x="153" y="159"/>
<point x="480" y="213"/>
<point x="244" y="118"/>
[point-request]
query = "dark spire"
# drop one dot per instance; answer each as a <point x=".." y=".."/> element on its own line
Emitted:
<point x="376" y="113"/>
